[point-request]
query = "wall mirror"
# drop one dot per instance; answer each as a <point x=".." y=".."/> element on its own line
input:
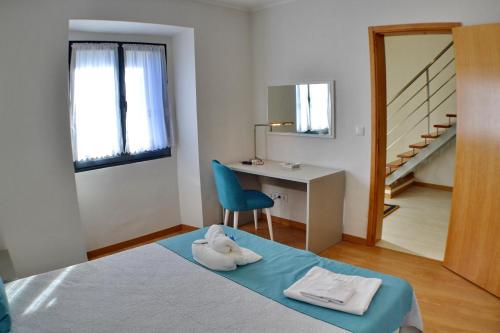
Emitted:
<point x="310" y="106"/>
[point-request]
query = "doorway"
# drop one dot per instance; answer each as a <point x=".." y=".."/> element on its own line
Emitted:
<point x="394" y="122"/>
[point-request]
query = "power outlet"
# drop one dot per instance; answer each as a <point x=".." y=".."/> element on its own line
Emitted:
<point x="279" y="196"/>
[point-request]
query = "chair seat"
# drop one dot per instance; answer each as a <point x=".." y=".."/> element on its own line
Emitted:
<point x="257" y="200"/>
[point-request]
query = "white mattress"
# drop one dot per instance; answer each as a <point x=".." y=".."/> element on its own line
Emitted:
<point x="148" y="289"/>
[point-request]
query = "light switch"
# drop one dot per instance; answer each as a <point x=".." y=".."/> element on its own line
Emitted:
<point x="360" y="130"/>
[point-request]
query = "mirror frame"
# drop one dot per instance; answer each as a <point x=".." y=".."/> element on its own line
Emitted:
<point x="332" y="117"/>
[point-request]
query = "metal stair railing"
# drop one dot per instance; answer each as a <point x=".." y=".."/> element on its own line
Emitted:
<point x="425" y="72"/>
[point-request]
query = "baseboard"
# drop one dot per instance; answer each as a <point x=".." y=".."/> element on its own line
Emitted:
<point x="434" y="186"/>
<point x="302" y="226"/>
<point x="286" y="222"/>
<point x="353" y="239"/>
<point x="97" y="253"/>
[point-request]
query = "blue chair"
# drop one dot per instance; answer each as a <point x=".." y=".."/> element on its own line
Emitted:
<point x="233" y="198"/>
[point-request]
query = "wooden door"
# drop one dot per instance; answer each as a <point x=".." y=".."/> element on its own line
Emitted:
<point x="473" y="247"/>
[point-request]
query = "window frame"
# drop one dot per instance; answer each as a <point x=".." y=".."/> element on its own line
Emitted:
<point x="124" y="158"/>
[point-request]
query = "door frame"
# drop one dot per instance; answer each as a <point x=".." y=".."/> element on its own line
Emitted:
<point x="376" y="36"/>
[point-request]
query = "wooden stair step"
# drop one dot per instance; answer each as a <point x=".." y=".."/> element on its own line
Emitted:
<point x="451" y="115"/>
<point x="408" y="154"/>
<point x="443" y="126"/>
<point x="396" y="164"/>
<point x="431" y="135"/>
<point x="388" y="171"/>
<point x="420" y="145"/>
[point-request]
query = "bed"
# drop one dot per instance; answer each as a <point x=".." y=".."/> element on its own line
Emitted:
<point x="157" y="288"/>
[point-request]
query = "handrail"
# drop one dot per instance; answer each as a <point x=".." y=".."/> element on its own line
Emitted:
<point x="421" y="104"/>
<point x="436" y="58"/>
<point x="426" y="116"/>
<point x="419" y="90"/>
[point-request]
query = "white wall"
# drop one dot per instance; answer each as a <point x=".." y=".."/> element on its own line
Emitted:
<point x="2" y="243"/>
<point x="38" y="201"/>
<point x="292" y="205"/>
<point x="439" y="169"/>
<point x="127" y="201"/>
<point x="323" y="39"/>
<point x="188" y="155"/>
<point x="226" y="112"/>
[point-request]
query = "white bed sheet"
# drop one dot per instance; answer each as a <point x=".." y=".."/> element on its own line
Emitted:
<point x="150" y="289"/>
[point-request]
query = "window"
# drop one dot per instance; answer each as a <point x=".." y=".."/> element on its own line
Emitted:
<point x="118" y="103"/>
<point x="313" y="103"/>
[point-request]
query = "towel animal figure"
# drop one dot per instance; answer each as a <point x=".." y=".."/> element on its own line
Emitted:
<point x="218" y="240"/>
<point x="220" y="253"/>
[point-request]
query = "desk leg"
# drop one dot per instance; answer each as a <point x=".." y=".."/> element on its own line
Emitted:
<point x="325" y="210"/>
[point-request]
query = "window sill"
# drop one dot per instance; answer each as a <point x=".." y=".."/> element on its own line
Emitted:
<point x="121" y="160"/>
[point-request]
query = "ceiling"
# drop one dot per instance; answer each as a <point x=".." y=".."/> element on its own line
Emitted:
<point x="247" y="5"/>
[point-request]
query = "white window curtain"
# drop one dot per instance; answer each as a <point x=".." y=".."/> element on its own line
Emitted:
<point x="319" y="100"/>
<point x="302" y="108"/>
<point x="95" y="101"/>
<point x="146" y="93"/>
<point x="312" y="107"/>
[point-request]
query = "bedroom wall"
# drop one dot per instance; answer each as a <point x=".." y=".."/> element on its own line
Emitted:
<point x="439" y="169"/>
<point x="187" y="139"/>
<point x="321" y="40"/>
<point x="2" y="243"/>
<point x="39" y="212"/>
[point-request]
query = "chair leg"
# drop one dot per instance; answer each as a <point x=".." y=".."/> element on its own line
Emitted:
<point x="226" y="216"/>
<point x="269" y="223"/>
<point x="235" y="221"/>
<point x="255" y="219"/>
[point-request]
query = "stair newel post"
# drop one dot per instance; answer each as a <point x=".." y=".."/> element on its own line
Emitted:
<point x="428" y="100"/>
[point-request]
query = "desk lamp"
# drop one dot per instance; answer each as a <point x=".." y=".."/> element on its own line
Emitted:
<point x="256" y="160"/>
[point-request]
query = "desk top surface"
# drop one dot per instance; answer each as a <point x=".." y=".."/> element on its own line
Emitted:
<point x="305" y="174"/>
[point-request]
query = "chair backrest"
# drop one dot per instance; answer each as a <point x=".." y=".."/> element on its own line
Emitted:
<point x="229" y="191"/>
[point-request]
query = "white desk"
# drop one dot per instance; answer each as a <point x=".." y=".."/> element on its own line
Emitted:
<point x="325" y="198"/>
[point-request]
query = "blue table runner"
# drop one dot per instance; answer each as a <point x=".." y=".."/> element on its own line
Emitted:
<point x="282" y="265"/>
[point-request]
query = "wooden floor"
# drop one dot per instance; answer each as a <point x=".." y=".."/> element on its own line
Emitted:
<point x="448" y="302"/>
<point x="182" y="230"/>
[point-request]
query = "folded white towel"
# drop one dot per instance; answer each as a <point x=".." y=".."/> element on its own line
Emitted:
<point x="320" y="279"/>
<point x="218" y="241"/>
<point x="336" y="292"/>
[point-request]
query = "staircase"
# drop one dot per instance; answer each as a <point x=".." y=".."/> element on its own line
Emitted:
<point x="417" y="114"/>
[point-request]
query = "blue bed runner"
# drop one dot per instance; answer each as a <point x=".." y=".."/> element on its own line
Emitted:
<point x="282" y="265"/>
